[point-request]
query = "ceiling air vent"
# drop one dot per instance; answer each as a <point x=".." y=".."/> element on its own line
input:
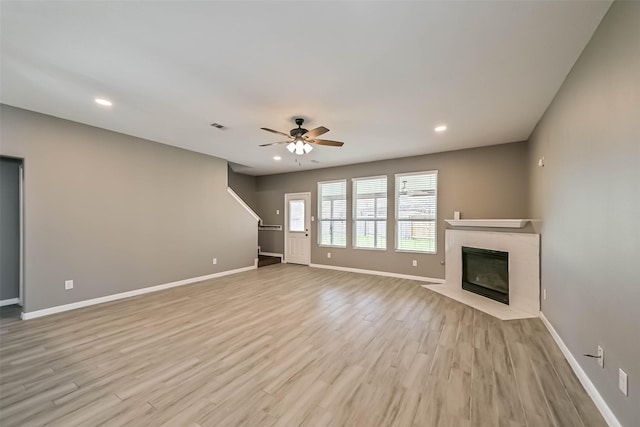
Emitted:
<point x="217" y="125"/>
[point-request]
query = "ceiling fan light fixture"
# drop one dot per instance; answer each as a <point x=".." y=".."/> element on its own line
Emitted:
<point x="301" y="141"/>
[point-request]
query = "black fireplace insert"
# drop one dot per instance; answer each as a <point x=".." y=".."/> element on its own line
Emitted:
<point x="486" y="272"/>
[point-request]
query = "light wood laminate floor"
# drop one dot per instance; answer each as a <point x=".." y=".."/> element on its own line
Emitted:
<point x="286" y="345"/>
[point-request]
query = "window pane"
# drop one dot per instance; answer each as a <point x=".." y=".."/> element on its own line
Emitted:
<point x="381" y="207"/>
<point x="325" y="232"/>
<point x="369" y="212"/>
<point x="365" y="232"/>
<point x="416" y="211"/>
<point x="418" y="236"/>
<point x="370" y="197"/>
<point x="340" y="208"/>
<point x="371" y="234"/>
<point x="296" y="215"/>
<point x="332" y="213"/>
<point x="339" y="233"/>
<point x="365" y="208"/>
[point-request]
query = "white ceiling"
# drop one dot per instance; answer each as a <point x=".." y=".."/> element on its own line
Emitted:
<point x="380" y="75"/>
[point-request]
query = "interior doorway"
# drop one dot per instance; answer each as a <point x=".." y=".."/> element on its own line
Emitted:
<point x="297" y="240"/>
<point x="11" y="231"/>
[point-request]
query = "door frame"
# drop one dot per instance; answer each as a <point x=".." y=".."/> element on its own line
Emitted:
<point x="21" y="203"/>
<point x="21" y="222"/>
<point x="307" y="220"/>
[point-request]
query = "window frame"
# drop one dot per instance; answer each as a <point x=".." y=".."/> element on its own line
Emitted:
<point x="376" y="220"/>
<point x="397" y="179"/>
<point x="332" y="220"/>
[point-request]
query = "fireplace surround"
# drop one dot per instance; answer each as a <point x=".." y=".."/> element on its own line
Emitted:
<point x="523" y="269"/>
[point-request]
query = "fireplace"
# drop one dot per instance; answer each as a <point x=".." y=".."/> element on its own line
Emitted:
<point x="523" y="271"/>
<point x="486" y="272"/>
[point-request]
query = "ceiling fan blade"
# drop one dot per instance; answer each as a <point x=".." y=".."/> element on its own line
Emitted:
<point x="277" y="131"/>
<point x="327" y="142"/>
<point x="274" y="143"/>
<point x="315" y="132"/>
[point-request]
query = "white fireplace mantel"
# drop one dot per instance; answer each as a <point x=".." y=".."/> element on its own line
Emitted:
<point x="492" y="223"/>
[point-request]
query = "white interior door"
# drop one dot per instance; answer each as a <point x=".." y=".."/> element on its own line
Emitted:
<point x="297" y="242"/>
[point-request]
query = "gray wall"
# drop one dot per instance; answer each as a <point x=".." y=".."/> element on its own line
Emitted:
<point x="117" y="213"/>
<point x="9" y="228"/>
<point x="244" y="186"/>
<point x="588" y="196"/>
<point x="488" y="182"/>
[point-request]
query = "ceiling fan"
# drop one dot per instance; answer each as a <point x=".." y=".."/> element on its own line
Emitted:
<point x="300" y="140"/>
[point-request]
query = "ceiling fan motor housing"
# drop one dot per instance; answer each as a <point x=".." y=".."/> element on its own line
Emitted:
<point x="299" y="130"/>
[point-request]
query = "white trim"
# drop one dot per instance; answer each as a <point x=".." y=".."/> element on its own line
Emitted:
<point x="378" y="273"/>
<point x="10" y="301"/>
<point x="114" y="297"/>
<point x="307" y="223"/>
<point x="602" y="406"/>
<point x="271" y="254"/>
<point x="244" y="205"/>
<point x="21" y="231"/>
<point x="395" y="209"/>
<point x="376" y="219"/>
<point x="491" y="223"/>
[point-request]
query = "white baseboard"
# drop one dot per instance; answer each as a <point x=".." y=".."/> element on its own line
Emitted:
<point x="9" y="301"/>
<point x="114" y="297"/>
<point x="378" y="273"/>
<point x="271" y="254"/>
<point x="602" y="406"/>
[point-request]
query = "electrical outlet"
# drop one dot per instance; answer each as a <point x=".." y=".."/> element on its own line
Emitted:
<point x="215" y="261"/>
<point x="601" y="357"/>
<point x="415" y="263"/>
<point x="68" y="284"/>
<point x="328" y="254"/>
<point x="622" y="382"/>
<point x="544" y="294"/>
<point x="277" y="211"/>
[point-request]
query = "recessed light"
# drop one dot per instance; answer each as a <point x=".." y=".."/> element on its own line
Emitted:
<point x="440" y="128"/>
<point x="104" y="102"/>
<point x="277" y="158"/>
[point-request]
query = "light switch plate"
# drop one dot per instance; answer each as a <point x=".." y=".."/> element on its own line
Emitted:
<point x="622" y="382"/>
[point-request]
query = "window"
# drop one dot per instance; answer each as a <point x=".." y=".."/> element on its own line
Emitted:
<point x="332" y="213"/>
<point x="296" y="215"/>
<point x="416" y="209"/>
<point x="370" y="212"/>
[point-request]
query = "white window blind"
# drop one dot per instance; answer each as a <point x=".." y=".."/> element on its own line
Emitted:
<point x="416" y="211"/>
<point x="332" y="213"/>
<point x="296" y="215"/>
<point x="370" y="212"/>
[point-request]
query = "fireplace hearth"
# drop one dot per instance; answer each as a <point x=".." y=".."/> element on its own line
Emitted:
<point x="486" y="272"/>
